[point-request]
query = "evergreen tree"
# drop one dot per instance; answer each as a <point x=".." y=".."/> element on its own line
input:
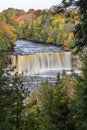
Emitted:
<point x="81" y="98"/>
<point x="58" y="78"/>
<point x="46" y="101"/>
<point x="12" y="101"/>
<point x="62" y="103"/>
<point x="54" y="108"/>
<point x="12" y="95"/>
<point x="4" y="87"/>
<point x="81" y="28"/>
<point x="17" y="101"/>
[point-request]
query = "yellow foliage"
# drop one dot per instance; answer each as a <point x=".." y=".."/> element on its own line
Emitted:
<point x="52" y="18"/>
<point x="65" y="35"/>
<point x="38" y="20"/>
<point x="58" y="20"/>
<point x="60" y="27"/>
<point x="49" y="40"/>
<point x="70" y="35"/>
<point x="32" y="104"/>
<point x="42" y="32"/>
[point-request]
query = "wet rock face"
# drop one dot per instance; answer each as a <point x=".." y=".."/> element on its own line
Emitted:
<point x="76" y="62"/>
<point x="33" y="82"/>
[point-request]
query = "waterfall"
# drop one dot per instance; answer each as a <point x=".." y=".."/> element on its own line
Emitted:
<point x="40" y="62"/>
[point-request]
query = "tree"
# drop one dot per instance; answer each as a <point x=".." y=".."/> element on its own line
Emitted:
<point x="58" y="78"/>
<point x="7" y="37"/>
<point x="17" y="99"/>
<point x="13" y="95"/>
<point x="62" y="103"/>
<point x="81" y="98"/>
<point x="40" y="112"/>
<point x="45" y="95"/>
<point x="81" y="28"/>
<point x="53" y="111"/>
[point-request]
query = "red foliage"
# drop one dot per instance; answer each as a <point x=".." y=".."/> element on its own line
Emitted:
<point x="35" y="12"/>
<point x="20" y="19"/>
<point x="72" y="36"/>
<point x="65" y="43"/>
<point x="4" y="26"/>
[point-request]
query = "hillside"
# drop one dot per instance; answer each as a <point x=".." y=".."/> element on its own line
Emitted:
<point x="48" y="26"/>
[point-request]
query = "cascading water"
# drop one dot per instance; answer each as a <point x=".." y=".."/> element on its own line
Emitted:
<point x="41" y="62"/>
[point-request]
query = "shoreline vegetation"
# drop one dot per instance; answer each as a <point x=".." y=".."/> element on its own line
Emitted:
<point x="44" y="26"/>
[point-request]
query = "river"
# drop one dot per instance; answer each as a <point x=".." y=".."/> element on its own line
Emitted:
<point x="40" y="62"/>
<point x="24" y="47"/>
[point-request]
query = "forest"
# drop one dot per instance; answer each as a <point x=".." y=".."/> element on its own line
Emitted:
<point x="59" y="107"/>
<point x="47" y="26"/>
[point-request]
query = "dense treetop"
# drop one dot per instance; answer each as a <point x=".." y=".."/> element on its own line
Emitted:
<point x="48" y="26"/>
<point x="63" y="24"/>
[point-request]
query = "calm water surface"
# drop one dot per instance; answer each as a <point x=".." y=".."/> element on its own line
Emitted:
<point x="24" y="47"/>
